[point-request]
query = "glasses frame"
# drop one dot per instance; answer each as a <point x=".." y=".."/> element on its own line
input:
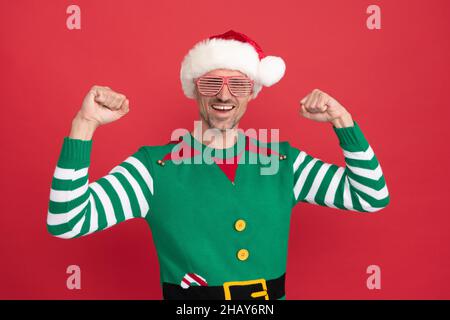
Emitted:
<point x="225" y="80"/>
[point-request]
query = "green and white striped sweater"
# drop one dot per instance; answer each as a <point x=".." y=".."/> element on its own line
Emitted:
<point x="181" y="202"/>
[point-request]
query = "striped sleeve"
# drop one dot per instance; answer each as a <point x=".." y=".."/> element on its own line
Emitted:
<point x="78" y="207"/>
<point x="359" y="186"/>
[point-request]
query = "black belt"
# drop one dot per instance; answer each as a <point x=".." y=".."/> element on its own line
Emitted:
<point x="258" y="289"/>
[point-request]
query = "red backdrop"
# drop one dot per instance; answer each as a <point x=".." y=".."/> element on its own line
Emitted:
<point x="394" y="81"/>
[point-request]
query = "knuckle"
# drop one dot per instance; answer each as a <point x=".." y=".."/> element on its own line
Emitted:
<point x="118" y="100"/>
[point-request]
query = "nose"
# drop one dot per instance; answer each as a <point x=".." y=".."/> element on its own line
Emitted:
<point x="224" y="94"/>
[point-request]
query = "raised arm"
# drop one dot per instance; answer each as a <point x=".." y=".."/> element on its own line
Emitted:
<point x="77" y="207"/>
<point x="360" y="185"/>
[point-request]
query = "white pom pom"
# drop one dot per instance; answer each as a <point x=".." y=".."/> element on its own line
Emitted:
<point x="271" y="70"/>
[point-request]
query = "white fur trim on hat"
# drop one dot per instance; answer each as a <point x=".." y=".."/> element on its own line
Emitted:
<point x="271" y="70"/>
<point x="217" y="53"/>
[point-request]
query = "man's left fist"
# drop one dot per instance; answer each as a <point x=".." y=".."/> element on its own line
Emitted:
<point x="321" y="107"/>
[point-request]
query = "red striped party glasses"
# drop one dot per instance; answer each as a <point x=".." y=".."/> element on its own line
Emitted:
<point x="211" y="85"/>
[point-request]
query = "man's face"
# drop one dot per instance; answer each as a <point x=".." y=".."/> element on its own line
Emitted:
<point x="219" y="119"/>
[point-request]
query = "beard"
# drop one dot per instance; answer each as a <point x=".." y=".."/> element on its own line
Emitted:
<point x="221" y="128"/>
<point x="217" y="124"/>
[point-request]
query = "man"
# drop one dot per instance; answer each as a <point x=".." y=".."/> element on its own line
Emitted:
<point x="220" y="222"/>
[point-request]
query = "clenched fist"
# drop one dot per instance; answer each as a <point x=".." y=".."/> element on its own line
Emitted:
<point x="321" y="107"/>
<point x="100" y="106"/>
<point x="103" y="105"/>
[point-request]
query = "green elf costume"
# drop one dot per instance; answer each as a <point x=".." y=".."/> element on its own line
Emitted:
<point x="219" y="217"/>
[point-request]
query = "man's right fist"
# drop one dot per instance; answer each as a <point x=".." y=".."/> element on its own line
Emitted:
<point x="102" y="105"/>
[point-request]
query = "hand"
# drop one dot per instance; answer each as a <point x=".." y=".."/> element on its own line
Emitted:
<point x="103" y="105"/>
<point x="321" y="107"/>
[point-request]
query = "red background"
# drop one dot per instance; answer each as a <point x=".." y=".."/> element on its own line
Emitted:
<point x="394" y="81"/>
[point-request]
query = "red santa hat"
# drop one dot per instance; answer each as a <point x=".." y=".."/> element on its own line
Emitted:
<point x="230" y="50"/>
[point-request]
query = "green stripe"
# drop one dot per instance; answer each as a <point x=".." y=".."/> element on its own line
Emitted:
<point x="355" y="148"/>
<point x="63" y="207"/>
<point x="339" y="196"/>
<point x="372" y="201"/>
<point x="65" y="227"/>
<point x="87" y="221"/>
<point x="63" y="164"/>
<point x="310" y="179"/>
<point x="302" y="166"/>
<point x="135" y="209"/>
<point x="113" y="196"/>
<point x="65" y="185"/>
<point x="373" y="184"/>
<point x="322" y="191"/>
<point x="355" y="201"/>
<point x="366" y="164"/>
<point x="102" y="223"/>
<point x="140" y="180"/>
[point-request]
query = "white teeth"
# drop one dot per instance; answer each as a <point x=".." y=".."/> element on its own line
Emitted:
<point x="218" y="107"/>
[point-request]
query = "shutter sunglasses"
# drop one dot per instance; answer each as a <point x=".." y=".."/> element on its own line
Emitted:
<point x="211" y="85"/>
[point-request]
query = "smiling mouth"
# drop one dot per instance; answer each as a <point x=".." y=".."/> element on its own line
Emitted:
<point x="222" y="108"/>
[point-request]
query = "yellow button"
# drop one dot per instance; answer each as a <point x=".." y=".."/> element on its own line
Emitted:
<point x="239" y="225"/>
<point x="242" y="254"/>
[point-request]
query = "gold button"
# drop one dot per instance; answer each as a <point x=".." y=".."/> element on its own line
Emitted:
<point x="242" y="254"/>
<point x="239" y="225"/>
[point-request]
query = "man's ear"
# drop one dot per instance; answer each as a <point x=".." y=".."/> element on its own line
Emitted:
<point x="196" y="93"/>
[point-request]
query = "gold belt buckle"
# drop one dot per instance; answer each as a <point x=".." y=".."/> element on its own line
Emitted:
<point x="256" y="294"/>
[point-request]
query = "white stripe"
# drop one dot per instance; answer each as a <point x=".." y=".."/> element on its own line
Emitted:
<point x="67" y="195"/>
<point x="302" y="178"/>
<point x="348" y="203"/>
<point x="75" y="230"/>
<point x="143" y="204"/>
<point x="373" y="174"/>
<point x="106" y="202"/>
<point x="376" y="194"/>
<point x="366" y="206"/>
<point x="93" y="226"/>
<point x="188" y="278"/>
<point x="54" y="219"/>
<point x="142" y="170"/>
<point x="360" y="155"/>
<point x="80" y="173"/>
<point x="317" y="181"/>
<point x="123" y="196"/>
<point x="332" y="188"/>
<point x="299" y="160"/>
<point x="69" y="174"/>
